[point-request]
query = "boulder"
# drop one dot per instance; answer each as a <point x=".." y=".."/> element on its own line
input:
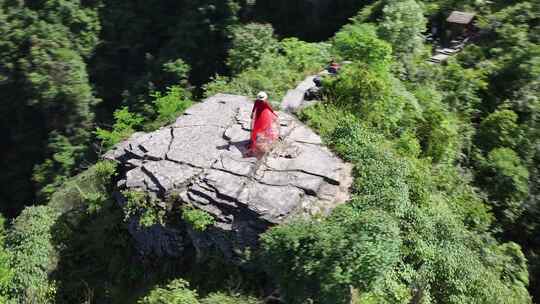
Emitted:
<point x="202" y="160"/>
<point x="294" y="99"/>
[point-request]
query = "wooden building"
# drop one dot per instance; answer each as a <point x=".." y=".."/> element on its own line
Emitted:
<point x="460" y="24"/>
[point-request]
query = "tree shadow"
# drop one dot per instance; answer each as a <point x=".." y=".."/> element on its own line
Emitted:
<point x="98" y="262"/>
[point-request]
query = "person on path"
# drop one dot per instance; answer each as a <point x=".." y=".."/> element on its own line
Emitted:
<point x="263" y="124"/>
<point x="333" y="67"/>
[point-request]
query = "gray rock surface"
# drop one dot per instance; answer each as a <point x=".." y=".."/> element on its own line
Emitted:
<point x="202" y="160"/>
<point x="294" y="99"/>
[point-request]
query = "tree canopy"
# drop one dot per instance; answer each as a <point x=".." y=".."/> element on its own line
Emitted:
<point x="445" y="201"/>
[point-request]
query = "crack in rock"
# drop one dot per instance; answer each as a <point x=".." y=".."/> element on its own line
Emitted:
<point x="155" y="180"/>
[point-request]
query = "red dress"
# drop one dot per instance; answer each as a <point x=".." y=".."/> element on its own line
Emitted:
<point x="264" y="124"/>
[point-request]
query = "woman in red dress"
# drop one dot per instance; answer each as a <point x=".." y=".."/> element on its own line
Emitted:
<point x="264" y="124"/>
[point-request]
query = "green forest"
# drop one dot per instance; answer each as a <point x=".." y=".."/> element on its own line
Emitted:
<point x="445" y="203"/>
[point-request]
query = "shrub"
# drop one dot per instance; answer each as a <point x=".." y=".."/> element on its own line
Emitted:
<point x="402" y="26"/>
<point x="452" y="265"/>
<point x="274" y="75"/>
<point x="443" y="143"/>
<point x="440" y="260"/>
<point x="143" y="206"/>
<point x="408" y="145"/>
<point x="198" y="219"/>
<point x="250" y="43"/>
<point x="88" y="190"/>
<point x="317" y="261"/>
<point x="97" y="198"/>
<point x="222" y="298"/>
<point x="66" y="156"/>
<point x="374" y="96"/>
<point x="6" y="273"/>
<point x="506" y="175"/>
<point x="359" y="42"/>
<point x="462" y="197"/>
<point x="95" y="251"/>
<point x="304" y="56"/>
<point x="325" y="117"/>
<point x="34" y="237"/>
<point x="506" y="181"/>
<point x="104" y="171"/>
<point x="460" y="88"/>
<point x="33" y="255"/>
<point x="125" y="124"/>
<point x="179" y="69"/>
<point x="170" y="105"/>
<point x="358" y="84"/>
<point x="218" y="84"/>
<point x="499" y="129"/>
<point x="438" y="129"/>
<point x="165" y="107"/>
<point x="176" y="292"/>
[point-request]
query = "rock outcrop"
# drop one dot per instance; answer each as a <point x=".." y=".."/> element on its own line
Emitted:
<point x="294" y="99"/>
<point x="202" y="160"/>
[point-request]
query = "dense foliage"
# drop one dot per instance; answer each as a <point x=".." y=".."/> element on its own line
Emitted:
<point x="178" y="292"/>
<point x="445" y="200"/>
<point x="438" y="221"/>
<point x="6" y="273"/>
<point x="47" y="100"/>
<point x="30" y="240"/>
<point x="279" y="68"/>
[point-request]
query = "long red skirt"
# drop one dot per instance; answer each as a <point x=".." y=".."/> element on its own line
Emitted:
<point x="265" y="130"/>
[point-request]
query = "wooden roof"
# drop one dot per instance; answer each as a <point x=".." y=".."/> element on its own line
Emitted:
<point x="460" y="17"/>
